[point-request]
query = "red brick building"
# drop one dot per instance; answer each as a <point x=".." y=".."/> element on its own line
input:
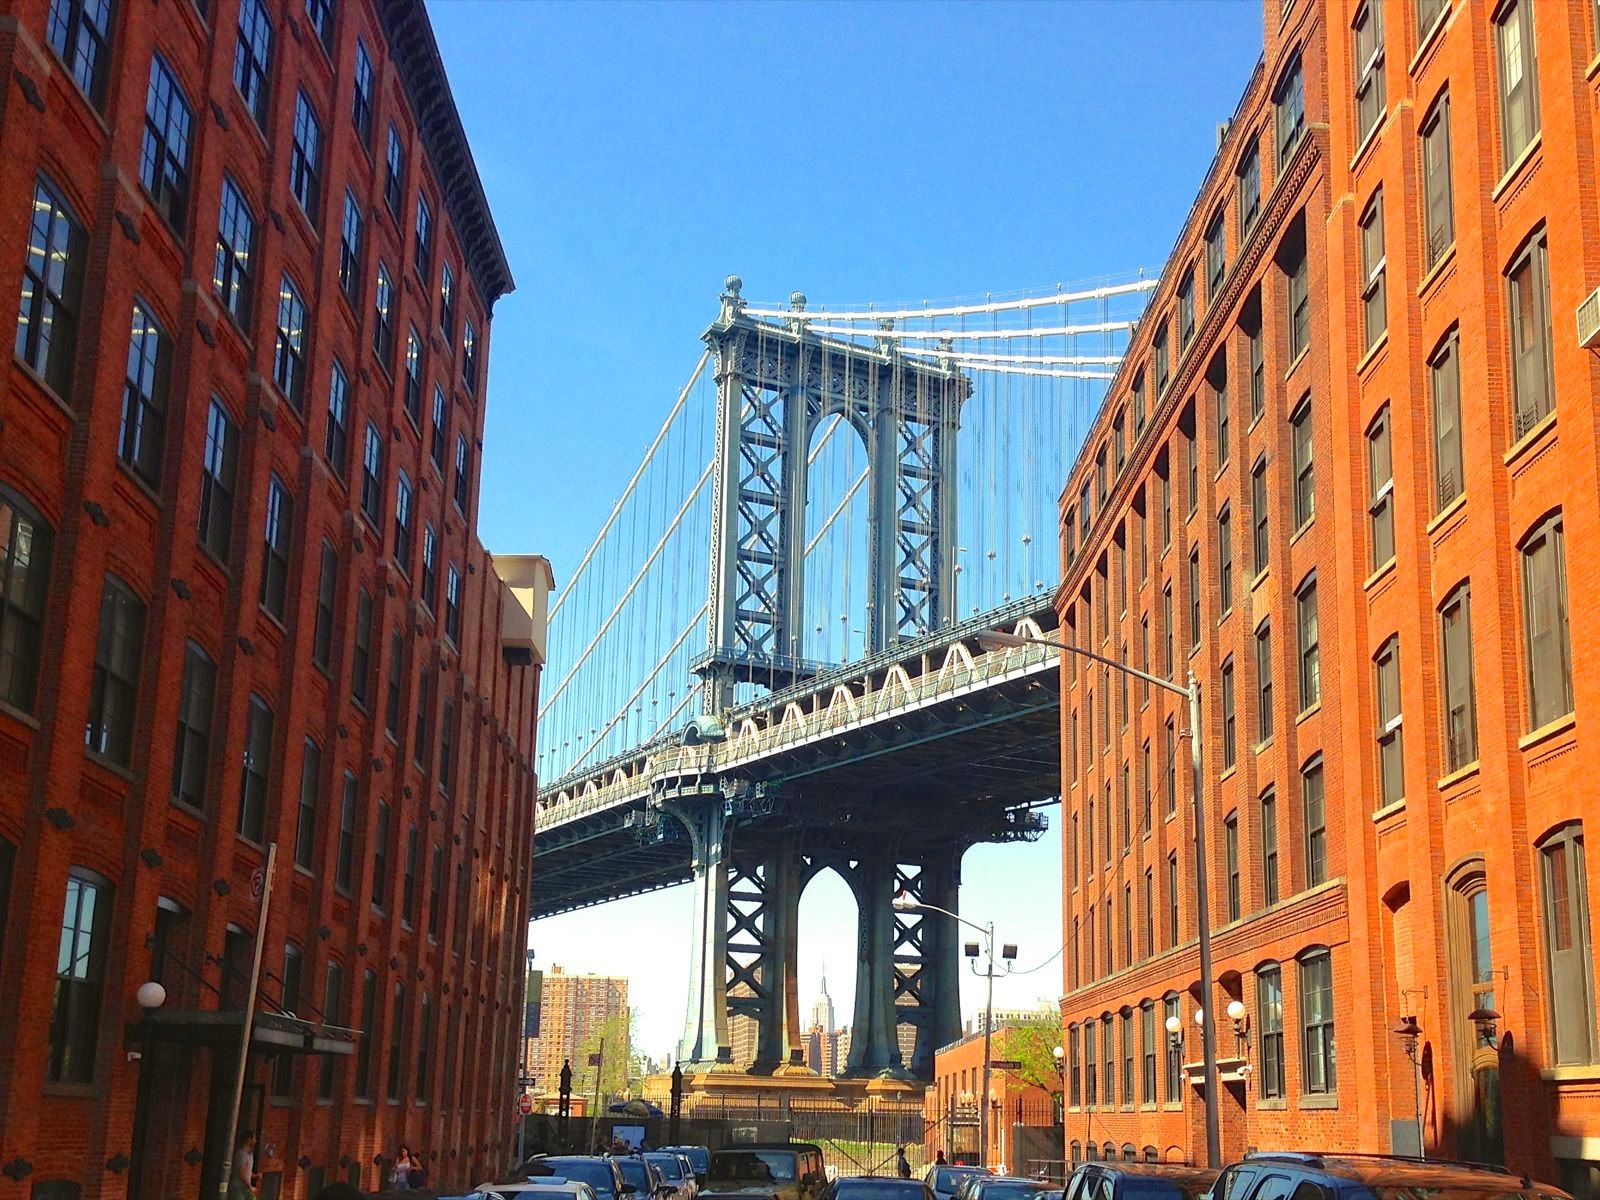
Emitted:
<point x="1018" y="1110"/>
<point x="1333" y="479"/>
<point x="244" y="604"/>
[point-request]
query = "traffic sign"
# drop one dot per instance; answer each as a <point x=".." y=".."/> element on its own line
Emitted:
<point x="1005" y="1064"/>
<point x="258" y="884"/>
<point x="526" y="1104"/>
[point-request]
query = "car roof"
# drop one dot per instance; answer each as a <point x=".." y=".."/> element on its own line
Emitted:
<point x="1174" y="1171"/>
<point x="1400" y="1171"/>
<point x="738" y="1146"/>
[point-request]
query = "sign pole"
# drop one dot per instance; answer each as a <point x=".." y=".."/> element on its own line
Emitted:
<point x="247" y="1025"/>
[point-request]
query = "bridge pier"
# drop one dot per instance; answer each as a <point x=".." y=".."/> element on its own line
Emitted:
<point x="705" y="1034"/>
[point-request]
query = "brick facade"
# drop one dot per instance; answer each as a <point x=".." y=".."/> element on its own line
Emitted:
<point x="436" y="910"/>
<point x="952" y="1101"/>
<point x="1407" y="864"/>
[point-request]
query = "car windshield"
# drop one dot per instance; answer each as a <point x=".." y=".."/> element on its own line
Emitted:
<point x="877" y="1189"/>
<point x="635" y="1172"/>
<point x="1153" y="1188"/>
<point x="753" y="1166"/>
<point x="947" y="1179"/>
<point x="596" y="1172"/>
<point x="667" y="1164"/>
<point x="1014" y="1189"/>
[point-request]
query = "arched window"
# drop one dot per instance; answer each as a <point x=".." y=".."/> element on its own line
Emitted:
<point x="1472" y="978"/>
<point x="1151" y="1154"/>
<point x="1076" y="1153"/>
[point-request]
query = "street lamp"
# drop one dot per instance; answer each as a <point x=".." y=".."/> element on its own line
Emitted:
<point x="1410" y="1038"/>
<point x="995" y="639"/>
<point x="904" y="902"/>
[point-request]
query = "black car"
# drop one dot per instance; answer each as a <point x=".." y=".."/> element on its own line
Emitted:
<point x="1288" y="1175"/>
<point x="944" y="1179"/>
<point x="643" y="1176"/>
<point x="983" y="1186"/>
<point x="598" y="1171"/>
<point x="877" y="1187"/>
<point x="699" y="1158"/>
<point x="1138" y="1181"/>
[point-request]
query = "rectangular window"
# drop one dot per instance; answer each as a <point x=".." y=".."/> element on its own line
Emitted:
<point x="435" y="886"/>
<point x="232" y="277"/>
<point x="1258" y="365"/>
<point x="80" y="977"/>
<point x="1264" y="683"/>
<point x="447" y="748"/>
<point x="430" y="566"/>
<point x="1127" y="1057"/>
<point x="1310" y="644"/>
<point x="422" y="247"/>
<point x="1194" y="598"/>
<point x="1305" y="488"/>
<point x="1192" y="463"/>
<point x="1230" y="829"/>
<point x="447" y="303"/>
<point x="1172" y="899"/>
<point x="275" y="548"/>
<point x="289" y="347"/>
<point x="414" y="371"/>
<point x="391" y="714"/>
<point x="1166" y="510"/>
<point x="217" y="473"/>
<point x="352" y="229"/>
<point x="114" y="690"/>
<point x="252" y="58"/>
<point x="1460" y="700"/>
<point x="1074" y="1069"/>
<point x="1127" y="927"/>
<point x="383" y="322"/>
<point x="144" y="397"/>
<point x="469" y="356"/>
<point x="1230" y="725"/>
<point x="192" y="744"/>
<point x="305" y="834"/>
<point x="1119" y="439"/>
<point x="1174" y="1072"/>
<point x="1091" y="1076"/>
<point x="1260" y="546"/>
<point x="408" y="890"/>
<point x="336" y="438"/>
<point x="441" y="421"/>
<point x="80" y="32"/>
<point x="1289" y="104"/>
<point x="394" y="174"/>
<point x="1438" y="205"/>
<point x="1269" y="847"/>
<point x="164" y="151"/>
<point x="1374" y="264"/>
<point x="1316" y="1019"/>
<point x="1428" y="14"/>
<point x="1172" y="768"/>
<point x="422" y="734"/>
<point x="344" y="864"/>
<point x="1315" y="818"/>
<point x="1269" y="1020"/>
<point x="305" y="157"/>
<point x="1297" y="295"/>
<point x="1515" y="51"/>
<point x="25" y="551"/>
<point x="1391" y="747"/>
<point x="1368" y="27"/>
<point x="1569" y="958"/>
<point x="1528" y="282"/>
<point x="361" y="102"/>
<point x="402" y="523"/>
<point x="1108" y="1062"/>
<point x="1380" y="489"/>
<point x="1544" y="623"/>
<point x="361" y="658"/>
<point x="333" y="1014"/>
<point x="1445" y="387"/>
<point x="369" y="1005"/>
<point x="327" y="586"/>
<point x="253" y="778"/>
<point x="397" y="1045"/>
<point x="424" y="1037"/>
<point x="1216" y="256"/>
<point x="1149" y="911"/>
<point x="372" y="474"/>
<point x="1160" y="372"/>
<point x="452" y="604"/>
<point x="463" y="480"/>
<point x="52" y="283"/>
<point x="380" y="857"/>
<point x="1225" y="559"/>
<point x="1219" y="383"/>
<point x="1186" y="310"/>
<point x="1249" y="183"/>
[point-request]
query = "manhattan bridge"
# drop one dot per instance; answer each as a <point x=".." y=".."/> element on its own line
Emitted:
<point x="767" y="664"/>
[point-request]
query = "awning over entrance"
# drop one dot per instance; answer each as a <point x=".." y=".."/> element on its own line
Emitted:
<point x="272" y="1033"/>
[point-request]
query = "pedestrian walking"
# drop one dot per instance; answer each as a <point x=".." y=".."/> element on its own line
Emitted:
<point x="242" y="1183"/>
<point x="400" y="1172"/>
<point x="902" y="1164"/>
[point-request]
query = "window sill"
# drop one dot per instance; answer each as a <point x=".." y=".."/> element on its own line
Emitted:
<point x="54" y="396"/>
<point x="1431" y="276"/>
<point x="1380" y="574"/>
<point x="1548" y="730"/>
<point x="1448" y="511"/>
<point x="1370" y="140"/>
<point x="1272" y="1104"/>
<point x="1447" y="782"/>
<point x="1294" y="364"/>
<point x="16" y="714"/>
<point x="1530" y="440"/>
<point x="1373" y="352"/>
<point x="100" y="760"/>
<point x="1259" y="578"/>
<point x="1262" y="747"/>
<point x="1228" y="773"/>
<point x="1517" y="168"/>
<point x="1578" y="1073"/>
<point x="1169" y="1107"/>
<point x="1320" y="1100"/>
<point x="76" y="1091"/>
<point x="1388" y="811"/>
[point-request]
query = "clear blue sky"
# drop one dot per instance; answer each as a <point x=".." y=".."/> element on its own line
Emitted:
<point x="636" y="154"/>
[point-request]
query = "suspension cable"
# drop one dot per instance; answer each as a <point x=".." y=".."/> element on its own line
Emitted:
<point x="962" y="310"/>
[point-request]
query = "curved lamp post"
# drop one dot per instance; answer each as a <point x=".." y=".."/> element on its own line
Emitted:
<point x="995" y="639"/>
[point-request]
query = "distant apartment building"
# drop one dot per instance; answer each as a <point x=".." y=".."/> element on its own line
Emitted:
<point x="574" y="1010"/>
<point x="1333" y="479"/>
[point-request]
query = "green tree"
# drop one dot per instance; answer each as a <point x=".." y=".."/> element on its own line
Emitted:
<point x="616" y="1068"/>
<point x="1033" y="1044"/>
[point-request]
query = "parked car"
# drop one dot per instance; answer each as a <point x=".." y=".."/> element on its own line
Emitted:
<point x="945" y="1179"/>
<point x="675" y="1172"/>
<point x="877" y="1187"/>
<point x="1138" y="1181"/>
<point x="1290" y="1175"/>
<point x="699" y="1157"/>
<point x="541" y="1188"/>
<point x="599" y="1171"/>
<point x="791" y="1171"/>
<point x="983" y="1186"/>
<point x="643" y="1177"/>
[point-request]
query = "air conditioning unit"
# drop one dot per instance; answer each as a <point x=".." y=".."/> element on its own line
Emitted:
<point x="1589" y="321"/>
